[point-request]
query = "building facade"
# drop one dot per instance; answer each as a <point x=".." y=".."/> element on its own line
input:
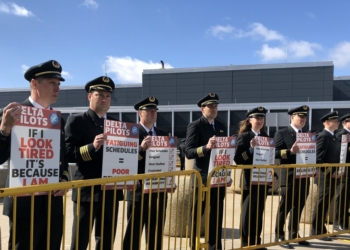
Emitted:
<point x="277" y="87"/>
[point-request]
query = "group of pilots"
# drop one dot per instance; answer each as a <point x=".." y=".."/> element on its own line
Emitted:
<point x="82" y="140"/>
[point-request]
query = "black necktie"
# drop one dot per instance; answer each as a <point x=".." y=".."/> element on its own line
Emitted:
<point x="102" y="122"/>
<point x="299" y="131"/>
<point x="150" y="132"/>
<point x="212" y="125"/>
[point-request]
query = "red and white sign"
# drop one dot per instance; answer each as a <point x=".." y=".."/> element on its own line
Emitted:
<point x="35" y="148"/>
<point x="264" y="154"/>
<point x="307" y="154"/>
<point x="222" y="154"/>
<point x="120" y="151"/>
<point x="343" y="152"/>
<point x="160" y="157"/>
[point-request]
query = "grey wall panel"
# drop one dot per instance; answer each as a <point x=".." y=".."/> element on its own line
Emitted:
<point x="132" y="101"/>
<point x="191" y="89"/>
<point x="309" y="70"/>
<point x="76" y="102"/>
<point x="275" y="99"/>
<point x="145" y="83"/>
<point x="329" y="70"/>
<point x="218" y="87"/>
<point x="77" y="95"/>
<point x="254" y="72"/>
<point x="308" y="92"/>
<point x="308" y="77"/>
<point x="248" y="94"/>
<point x="276" y="72"/>
<point x="277" y="78"/>
<point x="190" y="96"/>
<point x="161" y="90"/>
<point x="328" y="97"/>
<point x="301" y="99"/>
<point x="328" y="77"/>
<point x="153" y="77"/>
<point x="308" y="85"/>
<point x="246" y="100"/>
<point x="224" y="95"/>
<point x="246" y="79"/>
<point x="217" y="80"/>
<point x="328" y="84"/>
<point x="5" y="97"/>
<point x="193" y="100"/>
<point x="328" y="91"/>
<point x="190" y="75"/>
<point x="246" y="86"/>
<point x="190" y="81"/>
<point x="275" y="92"/>
<point x="218" y="74"/>
<point x="277" y="85"/>
<point x="163" y="83"/>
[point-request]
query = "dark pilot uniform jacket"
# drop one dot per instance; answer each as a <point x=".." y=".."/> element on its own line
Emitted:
<point x="327" y="151"/>
<point x="285" y="138"/>
<point x="243" y="156"/>
<point x="142" y="162"/>
<point x="338" y="135"/>
<point x="81" y="130"/>
<point x="40" y="201"/>
<point x="198" y="134"/>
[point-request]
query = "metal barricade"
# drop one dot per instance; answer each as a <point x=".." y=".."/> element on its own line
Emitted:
<point x="177" y="205"/>
<point x="172" y="213"/>
<point x="266" y="215"/>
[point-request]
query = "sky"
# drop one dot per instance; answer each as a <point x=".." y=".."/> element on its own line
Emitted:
<point x="121" y="38"/>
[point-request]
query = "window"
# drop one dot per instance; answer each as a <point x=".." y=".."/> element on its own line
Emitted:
<point x="196" y="115"/>
<point x="181" y="121"/>
<point x="317" y="125"/>
<point x="235" y="118"/>
<point x="129" y="117"/>
<point x="164" y="121"/>
<point x="114" y="115"/>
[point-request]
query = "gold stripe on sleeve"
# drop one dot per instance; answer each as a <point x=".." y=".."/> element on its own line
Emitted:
<point x="284" y="154"/>
<point x="85" y="153"/>
<point x="200" y="152"/>
<point x="65" y="173"/>
<point x="245" y="156"/>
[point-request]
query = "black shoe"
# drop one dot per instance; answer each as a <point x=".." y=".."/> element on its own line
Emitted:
<point x="264" y="248"/>
<point x="339" y="228"/>
<point x="304" y="243"/>
<point x="325" y="239"/>
<point x="284" y="245"/>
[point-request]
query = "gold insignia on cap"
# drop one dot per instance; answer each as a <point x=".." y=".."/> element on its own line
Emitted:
<point x="305" y="107"/>
<point x="212" y="94"/>
<point x="336" y="111"/>
<point x="105" y="79"/>
<point x="152" y="99"/>
<point x="260" y="108"/>
<point x="56" y="64"/>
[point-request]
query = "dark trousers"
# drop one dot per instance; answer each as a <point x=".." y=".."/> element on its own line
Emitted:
<point x="182" y="161"/>
<point x="342" y="204"/>
<point x="252" y="214"/>
<point x="293" y="199"/>
<point x="217" y="196"/>
<point x="153" y="218"/>
<point x="326" y="191"/>
<point x="84" y="225"/>
<point x="22" y="241"/>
